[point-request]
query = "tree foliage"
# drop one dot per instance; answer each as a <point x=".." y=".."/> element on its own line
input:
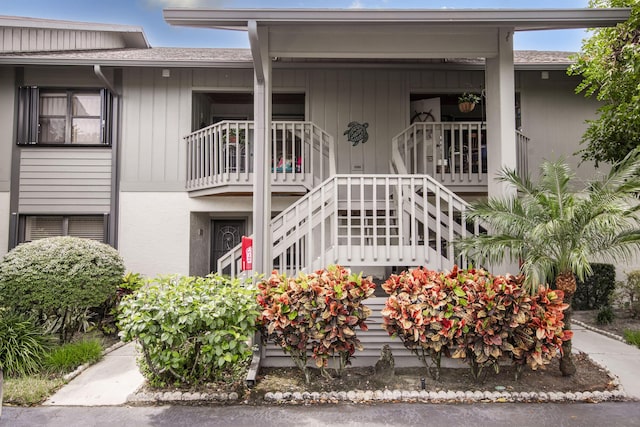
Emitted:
<point x="609" y="64"/>
<point x="555" y="228"/>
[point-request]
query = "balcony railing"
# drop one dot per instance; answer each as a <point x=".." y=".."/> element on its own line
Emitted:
<point x="522" y="141"/>
<point x="222" y="155"/>
<point x="454" y="153"/>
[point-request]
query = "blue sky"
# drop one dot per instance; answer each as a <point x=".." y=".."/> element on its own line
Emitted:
<point x="148" y="14"/>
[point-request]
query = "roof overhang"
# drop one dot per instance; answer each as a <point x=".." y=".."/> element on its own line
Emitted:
<point x="390" y="34"/>
<point x="133" y="36"/>
<point x="518" y="19"/>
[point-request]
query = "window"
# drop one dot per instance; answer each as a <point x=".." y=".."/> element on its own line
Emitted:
<point x="59" y="116"/>
<point x="86" y="226"/>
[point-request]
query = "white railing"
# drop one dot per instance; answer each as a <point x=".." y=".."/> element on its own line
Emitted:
<point x="522" y="142"/>
<point x="454" y="153"/>
<point x="222" y="154"/>
<point x="365" y="220"/>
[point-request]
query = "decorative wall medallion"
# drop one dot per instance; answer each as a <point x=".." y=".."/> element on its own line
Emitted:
<point x="357" y="133"/>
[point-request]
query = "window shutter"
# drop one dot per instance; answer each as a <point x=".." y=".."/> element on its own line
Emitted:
<point x="87" y="227"/>
<point x="106" y="116"/>
<point x="28" y="111"/>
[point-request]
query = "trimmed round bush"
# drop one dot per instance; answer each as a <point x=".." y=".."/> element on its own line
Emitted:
<point x="59" y="277"/>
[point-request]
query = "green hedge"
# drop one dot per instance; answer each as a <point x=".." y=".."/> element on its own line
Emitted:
<point x="191" y="329"/>
<point x="59" y="278"/>
<point x="594" y="292"/>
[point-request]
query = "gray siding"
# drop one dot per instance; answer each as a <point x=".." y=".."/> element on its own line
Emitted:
<point x="158" y="113"/>
<point x="65" y="180"/>
<point x="380" y="98"/>
<point x="67" y="77"/>
<point x="7" y="124"/>
<point x="553" y="116"/>
<point x="43" y="39"/>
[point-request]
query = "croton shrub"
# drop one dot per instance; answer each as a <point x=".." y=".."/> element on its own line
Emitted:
<point x="319" y="311"/>
<point x="473" y="315"/>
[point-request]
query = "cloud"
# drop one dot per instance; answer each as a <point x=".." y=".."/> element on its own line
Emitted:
<point x="185" y="3"/>
<point x="356" y="4"/>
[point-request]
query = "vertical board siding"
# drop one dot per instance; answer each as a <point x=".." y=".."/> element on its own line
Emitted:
<point x="338" y="97"/>
<point x="14" y="39"/>
<point x="65" y="180"/>
<point x="158" y="112"/>
<point x="156" y="115"/>
<point x="7" y="124"/>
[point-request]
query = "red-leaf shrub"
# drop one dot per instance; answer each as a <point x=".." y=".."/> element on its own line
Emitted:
<point x="481" y="317"/>
<point x="428" y="311"/>
<point x="318" y="311"/>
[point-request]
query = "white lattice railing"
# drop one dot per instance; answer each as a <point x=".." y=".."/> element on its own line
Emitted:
<point x="454" y="153"/>
<point x="364" y="220"/>
<point x="222" y="154"/>
<point x="522" y="141"/>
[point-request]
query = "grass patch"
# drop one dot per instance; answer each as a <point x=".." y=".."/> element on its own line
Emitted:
<point x="632" y="337"/>
<point x="29" y="390"/>
<point x="68" y="357"/>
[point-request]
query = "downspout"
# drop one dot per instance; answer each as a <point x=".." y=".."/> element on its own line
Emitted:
<point x="112" y="228"/>
<point x="108" y="83"/>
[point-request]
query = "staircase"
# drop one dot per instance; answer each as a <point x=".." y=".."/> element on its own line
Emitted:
<point x="367" y="220"/>
<point x="399" y="220"/>
<point x="406" y="219"/>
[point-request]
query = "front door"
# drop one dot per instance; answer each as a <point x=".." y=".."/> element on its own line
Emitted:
<point x="225" y="235"/>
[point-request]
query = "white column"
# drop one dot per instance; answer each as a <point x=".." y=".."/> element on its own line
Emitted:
<point x="501" y="125"/>
<point x="501" y="114"/>
<point x="262" y="261"/>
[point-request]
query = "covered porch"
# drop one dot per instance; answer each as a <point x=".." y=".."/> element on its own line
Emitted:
<point x="365" y="39"/>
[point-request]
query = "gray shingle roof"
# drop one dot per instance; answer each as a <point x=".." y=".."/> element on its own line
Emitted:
<point x="185" y="57"/>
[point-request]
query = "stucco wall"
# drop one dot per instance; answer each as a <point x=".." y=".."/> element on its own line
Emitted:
<point x="4" y="222"/>
<point x="155" y="228"/>
<point x="154" y="232"/>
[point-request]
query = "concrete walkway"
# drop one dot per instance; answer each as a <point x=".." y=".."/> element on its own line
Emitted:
<point x="621" y="359"/>
<point x="106" y="383"/>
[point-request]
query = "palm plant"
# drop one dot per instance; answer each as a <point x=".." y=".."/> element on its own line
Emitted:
<point x="554" y="230"/>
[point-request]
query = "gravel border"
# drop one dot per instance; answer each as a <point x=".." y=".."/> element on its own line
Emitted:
<point x="378" y="396"/>
<point x="406" y="396"/>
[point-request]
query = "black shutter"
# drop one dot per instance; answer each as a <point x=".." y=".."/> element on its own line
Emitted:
<point x="28" y="113"/>
<point x="106" y="116"/>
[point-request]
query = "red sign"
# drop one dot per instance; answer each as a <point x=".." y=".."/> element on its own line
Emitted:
<point x="247" y="253"/>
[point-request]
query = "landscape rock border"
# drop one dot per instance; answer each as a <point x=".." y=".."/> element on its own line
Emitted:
<point x="143" y="397"/>
<point x="71" y="375"/>
<point x="404" y="396"/>
<point x="599" y="331"/>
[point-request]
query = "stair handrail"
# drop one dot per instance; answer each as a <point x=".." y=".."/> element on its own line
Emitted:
<point x="232" y="257"/>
